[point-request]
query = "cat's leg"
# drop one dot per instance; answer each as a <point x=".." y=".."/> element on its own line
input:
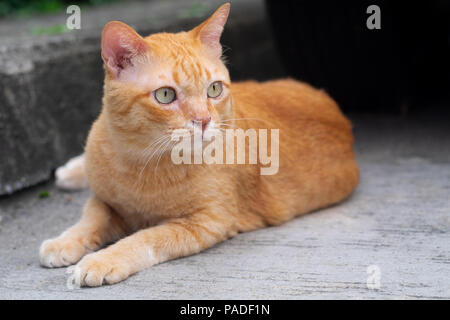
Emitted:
<point x="72" y="175"/>
<point x="98" y="226"/>
<point x="170" y="240"/>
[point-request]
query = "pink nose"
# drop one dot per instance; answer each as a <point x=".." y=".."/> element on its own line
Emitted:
<point x="204" y="121"/>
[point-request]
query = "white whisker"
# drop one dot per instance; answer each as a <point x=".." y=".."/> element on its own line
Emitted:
<point x="157" y="145"/>
<point x="164" y="149"/>
<point x="227" y="125"/>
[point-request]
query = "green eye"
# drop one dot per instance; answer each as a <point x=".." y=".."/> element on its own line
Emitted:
<point x="165" y="95"/>
<point x="215" y="89"/>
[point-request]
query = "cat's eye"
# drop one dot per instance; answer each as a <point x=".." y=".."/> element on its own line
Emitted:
<point x="165" y="95"/>
<point x="215" y="89"/>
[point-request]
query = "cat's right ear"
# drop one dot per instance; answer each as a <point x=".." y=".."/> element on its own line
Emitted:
<point x="210" y="31"/>
<point x="121" y="45"/>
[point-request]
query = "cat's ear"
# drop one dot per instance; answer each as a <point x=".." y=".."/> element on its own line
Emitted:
<point x="121" y="45"/>
<point x="209" y="31"/>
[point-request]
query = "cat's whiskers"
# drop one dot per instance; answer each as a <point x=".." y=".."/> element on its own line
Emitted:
<point x="166" y="147"/>
<point x="149" y="147"/>
<point x="153" y="147"/>
<point x="149" y="152"/>
<point x="157" y="149"/>
<point x="226" y="125"/>
<point x="160" y="145"/>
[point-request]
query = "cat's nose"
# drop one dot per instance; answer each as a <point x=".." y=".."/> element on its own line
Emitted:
<point x="203" y="121"/>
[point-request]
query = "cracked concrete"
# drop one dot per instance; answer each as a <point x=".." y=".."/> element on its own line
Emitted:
<point x="398" y="220"/>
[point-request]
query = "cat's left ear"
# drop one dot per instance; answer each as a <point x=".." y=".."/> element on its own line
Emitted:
<point x="209" y="31"/>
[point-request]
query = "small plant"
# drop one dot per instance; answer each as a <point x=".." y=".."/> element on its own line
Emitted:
<point x="44" y="194"/>
<point x="56" y="29"/>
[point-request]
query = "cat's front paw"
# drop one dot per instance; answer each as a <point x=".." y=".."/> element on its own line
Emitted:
<point x="99" y="268"/>
<point x="61" y="252"/>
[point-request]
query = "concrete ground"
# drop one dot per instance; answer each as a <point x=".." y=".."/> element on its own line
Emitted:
<point x="394" y="231"/>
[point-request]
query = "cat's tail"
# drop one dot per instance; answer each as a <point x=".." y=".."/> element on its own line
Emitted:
<point x="72" y="175"/>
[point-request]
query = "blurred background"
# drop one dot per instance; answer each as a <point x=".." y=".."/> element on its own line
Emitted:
<point x="51" y="76"/>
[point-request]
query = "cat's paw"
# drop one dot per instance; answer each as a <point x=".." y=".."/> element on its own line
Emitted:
<point x="72" y="176"/>
<point x="99" y="268"/>
<point x="61" y="252"/>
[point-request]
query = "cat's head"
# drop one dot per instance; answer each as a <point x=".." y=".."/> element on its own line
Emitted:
<point x="165" y="81"/>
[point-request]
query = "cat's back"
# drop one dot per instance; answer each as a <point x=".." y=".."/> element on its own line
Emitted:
<point x="288" y="101"/>
<point x="317" y="166"/>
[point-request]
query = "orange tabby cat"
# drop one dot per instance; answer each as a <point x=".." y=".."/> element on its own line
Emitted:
<point x="164" y="82"/>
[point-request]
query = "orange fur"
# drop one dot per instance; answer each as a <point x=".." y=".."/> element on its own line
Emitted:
<point x="177" y="210"/>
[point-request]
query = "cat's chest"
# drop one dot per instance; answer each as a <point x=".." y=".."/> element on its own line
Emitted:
<point x="146" y="199"/>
